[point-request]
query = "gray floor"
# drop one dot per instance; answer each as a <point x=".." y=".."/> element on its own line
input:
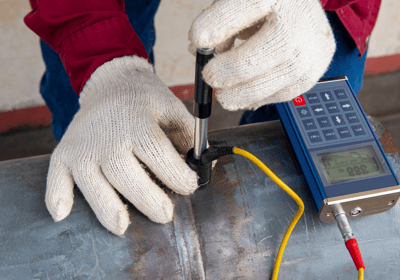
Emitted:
<point x="380" y="97"/>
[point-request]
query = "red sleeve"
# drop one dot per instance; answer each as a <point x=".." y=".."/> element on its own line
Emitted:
<point x="332" y="5"/>
<point x="358" y="17"/>
<point x="85" y="33"/>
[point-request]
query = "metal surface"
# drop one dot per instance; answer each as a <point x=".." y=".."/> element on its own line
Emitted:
<point x="229" y="230"/>
<point x="372" y="202"/>
<point x="200" y="137"/>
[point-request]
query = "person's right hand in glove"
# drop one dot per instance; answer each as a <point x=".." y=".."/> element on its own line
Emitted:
<point x="127" y="116"/>
<point x="288" y="45"/>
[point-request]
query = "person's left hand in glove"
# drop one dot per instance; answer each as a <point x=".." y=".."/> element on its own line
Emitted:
<point x="128" y="118"/>
<point x="288" y="47"/>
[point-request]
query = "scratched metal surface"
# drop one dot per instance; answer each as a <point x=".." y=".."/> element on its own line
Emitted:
<point x="230" y="230"/>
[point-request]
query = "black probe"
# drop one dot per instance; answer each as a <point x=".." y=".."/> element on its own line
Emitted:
<point x="202" y="102"/>
<point x="202" y="111"/>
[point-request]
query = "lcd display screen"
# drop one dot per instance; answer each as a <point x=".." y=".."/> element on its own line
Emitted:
<point x="350" y="164"/>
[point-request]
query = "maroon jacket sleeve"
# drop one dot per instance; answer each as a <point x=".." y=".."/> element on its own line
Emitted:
<point x="85" y="33"/>
<point x="358" y="17"/>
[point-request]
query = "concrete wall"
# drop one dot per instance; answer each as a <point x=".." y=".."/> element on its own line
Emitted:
<point x="174" y="63"/>
<point x="385" y="39"/>
<point x="22" y="66"/>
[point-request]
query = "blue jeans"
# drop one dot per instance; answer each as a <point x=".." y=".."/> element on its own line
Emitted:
<point x="55" y="85"/>
<point x="346" y="62"/>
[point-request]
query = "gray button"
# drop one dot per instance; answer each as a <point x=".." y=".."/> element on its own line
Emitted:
<point x="352" y="118"/>
<point x="332" y="108"/>
<point x="309" y="124"/>
<point x="338" y="120"/>
<point x="340" y="94"/>
<point x="303" y="112"/>
<point x="318" y="110"/>
<point x="358" y="130"/>
<point x="346" y="106"/>
<point x="344" y="132"/>
<point x="314" y="137"/>
<point x="329" y="134"/>
<point x="312" y="98"/>
<point x="326" y="95"/>
<point x="323" y="122"/>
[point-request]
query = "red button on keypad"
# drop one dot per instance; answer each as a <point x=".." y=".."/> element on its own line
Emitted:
<point x="298" y="101"/>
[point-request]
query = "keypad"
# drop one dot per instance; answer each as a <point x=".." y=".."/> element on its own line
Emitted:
<point x="326" y="95"/>
<point x="338" y="120"/>
<point x="346" y="106"/>
<point x="329" y="116"/>
<point x="344" y="132"/>
<point x="314" y="137"/>
<point x="318" y="110"/>
<point x="358" y="130"/>
<point x="332" y="108"/>
<point x="340" y="94"/>
<point x="303" y="112"/>
<point x="323" y="122"/>
<point x="329" y="134"/>
<point x="352" y="117"/>
<point x="312" y="98"/>
<point x="309" y="124"/>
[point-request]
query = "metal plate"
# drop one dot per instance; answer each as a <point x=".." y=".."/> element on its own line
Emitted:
<point x="369" y="202"/>
<point x="230" y="230"/>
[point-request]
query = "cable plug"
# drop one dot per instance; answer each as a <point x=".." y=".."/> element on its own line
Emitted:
<point x="354" y="250"/>
<point x="350" y="241"/>
<point x="214" y="153"/>
<point x="203" y="166"/>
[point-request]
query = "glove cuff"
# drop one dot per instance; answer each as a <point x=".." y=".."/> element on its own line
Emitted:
<point x="112" y="72"/>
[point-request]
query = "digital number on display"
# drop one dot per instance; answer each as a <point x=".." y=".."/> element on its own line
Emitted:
<point x="351" y="164"/>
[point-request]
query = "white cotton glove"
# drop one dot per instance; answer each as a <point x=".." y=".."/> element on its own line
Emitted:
<point x="288" y="47"/>
<point x="127" y="115"/>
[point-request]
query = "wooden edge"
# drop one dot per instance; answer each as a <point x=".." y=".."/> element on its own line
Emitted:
<point x="381" y="65"/>
<point x="40" y="116"/>
<point x="26" y="118"/>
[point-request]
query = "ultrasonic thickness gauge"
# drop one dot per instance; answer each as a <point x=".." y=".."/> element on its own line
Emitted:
<point x="342" y="160"/>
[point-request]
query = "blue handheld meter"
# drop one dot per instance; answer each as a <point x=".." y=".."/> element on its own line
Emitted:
<point x="341" y="158"/>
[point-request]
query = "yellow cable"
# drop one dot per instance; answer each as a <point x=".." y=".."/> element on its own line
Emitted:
<point x="361" y="274"/>
<point x="289" y="192"/>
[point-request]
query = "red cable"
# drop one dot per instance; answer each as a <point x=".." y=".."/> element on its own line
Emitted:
<point x="352" y="247"/>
